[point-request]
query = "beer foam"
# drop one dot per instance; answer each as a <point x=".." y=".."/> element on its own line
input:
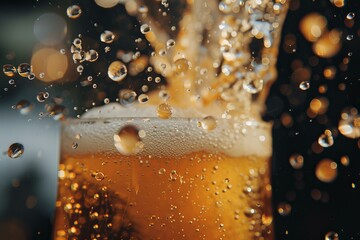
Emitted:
<point x="176" y="136"/>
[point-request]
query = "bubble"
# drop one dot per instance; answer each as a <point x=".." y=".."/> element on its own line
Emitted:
<point x="73" y="11"/>
<point x="117" y="71"/>
<point x="9" y="70"/>
<point x="15" y="150"/>
<point x="296" y="161"/>
<point x="326" y="170"/>
<point x="24" y="69"/>
<point x="107" y="3"/>
<point x="253" y="85"/>
<point x="181" y="65"/>
<point x="42" y="96"/>
<point x="350" y="16"/>
<point x="349" y="124"/>
<point x="304" y="85"/>
<point x="50" y="29"/>
<point x="80" y="68"/>
<point x="164" y="111"/>
<point x="326" y="139"/>
<point x="208" y="123"/>
<point x="170" y="43"/>
<point x="331" y="236"/>
<point x="128" y="141"/>
<point x="349" y="37"/>
<point x="107" y="36"/>
<point x="31" y="76"/>
<point x="284" y="209"/>
<point x="145" y="28"/>
<point x="127" y="97"/>
<point x="143" y="98"/>
<point x="24" y="106"/>
<point x="56" y="111"/>
<point x="162" y="171"/>
<point x="91" y="55"/>
<point x="99" y="176"/>
<point x="74" y="145"/>
<point x="77" y="43"/>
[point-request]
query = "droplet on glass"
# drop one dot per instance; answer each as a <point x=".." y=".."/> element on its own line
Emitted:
<point x="326" y="170"/>
<point x="128" y="141"/>
<point x="77" y="43"/>
<point x="127" y="97"/>
<point x="304" y="85"/>
<point x="331" y="236"/>
<point x="181" y="65"/>
<point x="15" y="150"/>
<point x="296" y="161"/>
<point x="42" y="96"/>
<point x="143" y="98"/>
<point x="9" y="70"/>
<point x="170" y="43"/>
<point x="91" y="55"/>
<point x="31" y="76"/>
<point x="253" y="85"/>
<point x="326" y="139"/>
<point x="24" y="69"/>
<point x="74" y="145"/>
<point x="24" y="106"/>
<point x="164" y="111"/>
<point x="107" y="36"/>
<point x="117" y="71"/>
<point x="145" y="28"/>
<point x="208" y="123"/>
<point x="73" y="11"/>
<point x="284" y="209"/>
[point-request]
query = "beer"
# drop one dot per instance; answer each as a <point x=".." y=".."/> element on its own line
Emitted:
<point x="184" y="183"/>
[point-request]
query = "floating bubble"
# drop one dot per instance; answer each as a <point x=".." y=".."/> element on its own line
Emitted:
<point x="296" y="161"/>
<point x="128" y="141"/>
<point x="15" y="150"/>
<point x="24" y="106"/>
<point x="208" y="123"/>
<point x="9" y="70"/>
<point x="91" y="55"/>
<point x="326" y="139"/>
<point x="284" y="209"/>
<point x="24" y="69"/>
<point x="304" y="85"/>
<point x="145" y="28"/>
<point x="326" y="170"/>
<point x="127" y="97"/>
<point x="42" y="96"/>
<point x="164" y="111"/>
<point x="73" y="11"/>
<point x="107" y="36"/>
<point x="349" y="124"/>
<point x="331" y="236"/>
<point x="117" y="71"/>
<point x="253" y="85"/>
<point x="50" y="29"/>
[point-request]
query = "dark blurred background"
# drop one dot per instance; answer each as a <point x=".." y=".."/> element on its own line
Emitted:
<point x="304" y="206"/>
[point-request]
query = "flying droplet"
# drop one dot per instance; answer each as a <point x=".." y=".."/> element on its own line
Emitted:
<point x="73" y="11"/>
<point x="24" y="69"/>
<point x="128" y="141"/>
<point x="296" y="161"/>
<point x="326" y="139"/>
<point x="9" y="70"/>
<point x="107" y="36"/>
<point x="350" y="16"/>
<point x="15" y="150"/>
<point x="127" y="97"/>
<point x="253" y="85"/>
<point x="304" y="85"/>
<point x="24" y="106"/>
<point x="164" y="111"/>
<point x="91" y="55"/>
<point x="77" y="43"/>
<point x="349" y="37"/>
<point x="145" y="28"/>
<point x="170" y="43"/>
<point x="284" y="209"/>
<point x="208" y="123"/>
<point x="56" y="111"/>
<point x="326" y="170"/>
<point x="42" y="96"/>
<point x="181" y="65"/>
<point x="332" y="236"/>
<point x="349" y="124"/>
<point x="143" y="98"/>
<point x="117" y="71"/>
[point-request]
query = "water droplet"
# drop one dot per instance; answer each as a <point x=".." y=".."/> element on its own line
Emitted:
<point x="24" y="69"/>
<point x="143" y="98"/>
<point x="164" y="111"/>
<point x="208" y="123"/>
<point x="332" y="236"/>
<point x="127" y="97"/>
<point x="107" y="36"/>
<point x="74" y="145"/>
<point x="77" y="43"/>
<point x="350" y="16"/>
<point x="284" y="209"/>
<point x="73" y="11"/>
<point x="127" y="141"/>
<point x="117" y="71"/>
<point x="349" y="37"/>
<point x="15" y="150"/>
<point x="57" y="112"/>
<point x="9" y="70"/>
<point x="296" y="161"/>
<point x="99" y="176"/>
<point x="326" y="170"/>
<point x="304" y="85"/>
<point x="162" y="171"/>
<point x="24" y="106"/>
<point x="253" y="85"/>
<point x="80" y="68"/>
<point x="181" y="65"/>
<point x="170" y="43"/>
<point x="42" y="96"/>
<point x="91" y="55"/>
<point x="145" y="28"/>
<point x="31" y="76"/>
<point x="326" y="139"/>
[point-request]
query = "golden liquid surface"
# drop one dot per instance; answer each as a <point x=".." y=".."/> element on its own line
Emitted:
<point x="194" y="196"/>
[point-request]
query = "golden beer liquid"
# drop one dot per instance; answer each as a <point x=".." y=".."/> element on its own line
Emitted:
<point x="196" y="195"/>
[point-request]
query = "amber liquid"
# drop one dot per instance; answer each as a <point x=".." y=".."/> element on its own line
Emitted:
<point x="104" y="195"/>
